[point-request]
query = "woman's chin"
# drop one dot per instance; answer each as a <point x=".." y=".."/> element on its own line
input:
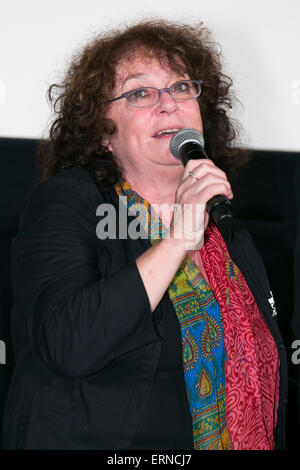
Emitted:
<point x="168" y="159"/>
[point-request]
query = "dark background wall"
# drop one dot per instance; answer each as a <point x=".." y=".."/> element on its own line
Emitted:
<point x="267" y="198"/>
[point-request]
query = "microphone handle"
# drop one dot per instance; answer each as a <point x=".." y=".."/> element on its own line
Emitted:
<point x="218" y="207"/>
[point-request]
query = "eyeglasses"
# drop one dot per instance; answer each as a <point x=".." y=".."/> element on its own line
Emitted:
<point x="145" y="97"/>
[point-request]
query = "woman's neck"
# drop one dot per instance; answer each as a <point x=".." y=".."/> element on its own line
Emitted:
<point x="158" y="190"/>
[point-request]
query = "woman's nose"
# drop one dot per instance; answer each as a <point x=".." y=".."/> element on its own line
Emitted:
<point x="166" y="103"/>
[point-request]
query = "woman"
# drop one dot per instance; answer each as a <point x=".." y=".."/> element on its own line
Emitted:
<point x="135" y="342"/>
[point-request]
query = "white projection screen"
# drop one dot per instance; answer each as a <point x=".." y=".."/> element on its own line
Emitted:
<point x="260" y="41"/>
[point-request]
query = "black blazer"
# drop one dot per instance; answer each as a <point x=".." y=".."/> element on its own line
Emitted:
<point x="86" y="345"/>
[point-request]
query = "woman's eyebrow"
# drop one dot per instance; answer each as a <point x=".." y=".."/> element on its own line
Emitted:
<point x="132" y="76"/>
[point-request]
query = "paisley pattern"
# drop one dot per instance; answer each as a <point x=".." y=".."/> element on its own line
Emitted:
<point x="201" y="330"/>
<point x="190" y="351"/>
<point x="204" y="385"/>
<point x="211" y="337"/>
<point x="252" y="367"/>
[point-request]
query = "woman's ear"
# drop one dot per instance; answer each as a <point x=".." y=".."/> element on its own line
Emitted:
<point x="106" y="143"/>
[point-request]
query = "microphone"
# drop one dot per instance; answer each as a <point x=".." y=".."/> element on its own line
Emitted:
<point x="188" y="144"/>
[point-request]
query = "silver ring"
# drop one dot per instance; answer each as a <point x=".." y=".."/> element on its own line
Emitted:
<point x="192" y="174"/>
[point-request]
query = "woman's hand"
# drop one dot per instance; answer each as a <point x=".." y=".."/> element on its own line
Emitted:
<point x="201" y="181"/>
<point x="159" y="263"/>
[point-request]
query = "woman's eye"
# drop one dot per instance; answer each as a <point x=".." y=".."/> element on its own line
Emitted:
<point x="181" y="87"/>
<point x="139" y="94"/>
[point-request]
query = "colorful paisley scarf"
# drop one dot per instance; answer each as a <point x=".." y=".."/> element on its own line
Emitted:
<point x="232" y="413"/>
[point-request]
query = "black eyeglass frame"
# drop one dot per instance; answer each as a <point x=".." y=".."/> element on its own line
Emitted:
<point x="128" y="94"/>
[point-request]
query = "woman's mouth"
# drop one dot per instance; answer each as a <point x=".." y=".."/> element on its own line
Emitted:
<point x="165" y="133"/>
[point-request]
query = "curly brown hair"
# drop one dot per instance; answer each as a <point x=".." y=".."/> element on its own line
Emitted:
<point x="77" y="132"/>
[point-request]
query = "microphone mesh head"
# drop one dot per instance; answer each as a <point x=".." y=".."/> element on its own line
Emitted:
<point x="182" y="137"/>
